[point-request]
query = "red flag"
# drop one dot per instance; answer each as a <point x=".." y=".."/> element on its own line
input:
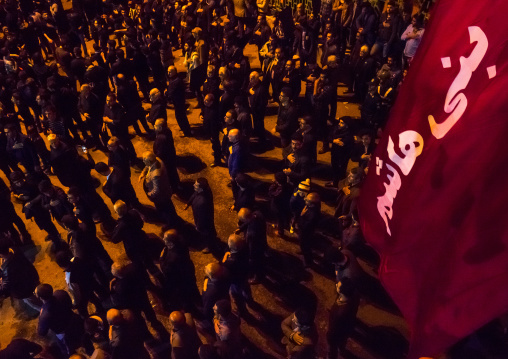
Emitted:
<point x="435" y="203"/>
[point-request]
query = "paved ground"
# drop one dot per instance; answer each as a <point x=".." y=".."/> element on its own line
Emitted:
<point x="381" y="332"/>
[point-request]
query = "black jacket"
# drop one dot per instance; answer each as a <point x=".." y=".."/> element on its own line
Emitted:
<point x="19" y="276"/>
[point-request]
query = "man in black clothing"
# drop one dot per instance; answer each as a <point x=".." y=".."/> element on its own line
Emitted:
<point x="20" y="348"/>
<point x="90" y="107"/>
<point x="116" y="120"/>
<point x="118" y="156"/>
<point x="212" y="124"/>
<point x="236" y="260"/>
<point x="298" y="163"/>
<point x="129" y="230"/>
<point x="201" y="202"/>
<point x="9" y="218"/>
<point x="158" y="109"/>
<point x="118" y="185"/>
<point x="26" y="192"/>
<point x="21" y="149"/>
<point x="342" y="145"/>
<point x="18" y="276"/>
<point x="57" y="316"/>
<point x="307" y="224"/>
<point x="179" y="273"/>
<point x="342" y="318"/>
<point x="128" y="97"/>
<point x="164" y="148"/>
<point x="81" y="283"/>
<point x="88" y="247"/>
<point x="70" y="168"/>
<point x="258" y="100"/>
<point x="287" y="119"/>
<point x="175" y="93"/>
<point x="78" y="66"/>
<point x="88" y="207"/>
<point x="253" y="225"/>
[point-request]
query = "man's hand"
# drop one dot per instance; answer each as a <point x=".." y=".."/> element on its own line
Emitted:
<point x="286" y="171"/>
<point x="365" y="157"/>
<point x="141" y="178"/>
<point x="346" y="190"/>
<point x="291" y="158"/>
<point x="338" y="141"/>
<point x="297" y="338"/>
<point x="251" y="91"/>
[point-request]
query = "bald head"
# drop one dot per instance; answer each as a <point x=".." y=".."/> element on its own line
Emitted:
<point x="149" y="158"/>
<point x="154" y="95"/>
<point x="254" y="77"/>
<point x="114" y="317"/>
<point x="177" y="318"/>
<point x="172" y="71"/>
<point x="160" y="125"/>
<point x="234" y="135"/>
<point x="120" y="208"/>
<point x="244" y="214"/>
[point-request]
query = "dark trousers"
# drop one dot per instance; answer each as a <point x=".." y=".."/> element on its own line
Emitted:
<point x="181" y="118"/>
<point x="258" y="119"/>
<point x="216" y="147"/>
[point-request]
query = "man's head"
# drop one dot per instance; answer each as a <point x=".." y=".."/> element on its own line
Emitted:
<point x="236" y="242"/>
<point x="111" y="99"/>
<point x="213" y="270"/>
<point x="10" y="130"/>
<point x="312" y="200"/>
<point x="46" y="188"/>
<point x="254" y="78"/>
<point x="70" y="222"/>
<point x="170" y="238"/>
<point x="346" y="287"/>
<point x="366" y="139"/>
<point x="85" y="89"/>
<point x="355" y="175"/>
<point x="299" y="8"/>
<point x="172" y="72"/>
<point x="244" y="215"/>
<point x="296" y="141"/>
<point x="50" y="113"/>
<point x="390" y="7"/>
<point x="160" y="125"/>
<point x="63" y="259"/>
<point x="54" y="141"/>
<point x="17" y="178"/>
<point x="177" y="319"/>
<point x="149" y="158"/>
<point x="201" y="185"/>
<point x="120" y="208"/>
<point x="208" y="100"/>
<point x="278" y="53"/>
<point x="285" y="96"/>
<point x="234" y="135"/>
<point x="196" y="32"/>
<point x="154" y="95"/>
<point x="332" y="62"/>
<point x="210" y="71"/>
<point x="102" y="169"/>
<point x="222" y="308"/>
<point x="364" y="51"/>
<point x="113" y="143"/>
<point x="73" y="195"/>
<point x="44" y="292"/>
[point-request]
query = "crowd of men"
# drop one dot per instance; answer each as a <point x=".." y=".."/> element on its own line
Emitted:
<point x="59" y="100"/>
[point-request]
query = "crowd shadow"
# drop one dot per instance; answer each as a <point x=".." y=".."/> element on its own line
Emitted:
<point x="381" y="341"/>
<point x="189" y="163"/>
